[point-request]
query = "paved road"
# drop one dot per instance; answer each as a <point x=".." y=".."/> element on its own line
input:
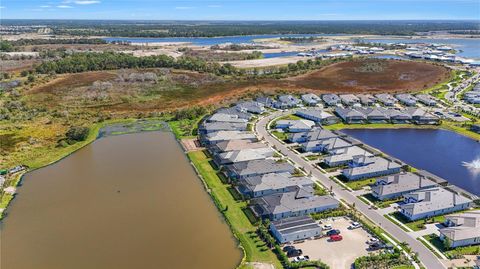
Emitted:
<point x="429" y="260"/>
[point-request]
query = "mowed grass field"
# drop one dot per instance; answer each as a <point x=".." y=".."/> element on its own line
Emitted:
<point x="254" y="248"/>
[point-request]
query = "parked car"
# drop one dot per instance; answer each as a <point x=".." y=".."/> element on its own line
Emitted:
<point x="354" y="225"/>
<point x="301" y="259"/>
<point x="294" y="253"/>
<point x="373" y="240"/>
<point x="333" y="232"/>
<point x="327" y="227"/>
<point x="288" y="248"/>
<point x="376" y="246"/>
<point x="336" y="237"/>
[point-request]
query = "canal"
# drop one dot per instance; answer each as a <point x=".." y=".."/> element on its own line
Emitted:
<point x="129" y="201"/>
<point x="444" y="153"/>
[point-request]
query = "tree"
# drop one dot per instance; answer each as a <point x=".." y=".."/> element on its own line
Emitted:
<point x="77" y="133"/>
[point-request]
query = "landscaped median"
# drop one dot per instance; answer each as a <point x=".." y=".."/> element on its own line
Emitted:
<point x="254" y="248"/>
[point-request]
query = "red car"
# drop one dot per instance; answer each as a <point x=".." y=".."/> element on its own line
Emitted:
<point x="336" y="237"/>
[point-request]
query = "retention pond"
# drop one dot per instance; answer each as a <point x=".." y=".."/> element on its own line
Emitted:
<point x="129" y="201"/>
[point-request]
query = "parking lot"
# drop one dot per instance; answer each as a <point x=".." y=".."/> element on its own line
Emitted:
<point x="340" y="254"/>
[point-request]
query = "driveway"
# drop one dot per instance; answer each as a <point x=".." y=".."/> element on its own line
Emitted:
<point x="429" y="259"/>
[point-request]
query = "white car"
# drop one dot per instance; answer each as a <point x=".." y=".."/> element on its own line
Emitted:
<point x="327" y="227"/>
<point x="301" y="259"/>
<point x="354" y="225"/>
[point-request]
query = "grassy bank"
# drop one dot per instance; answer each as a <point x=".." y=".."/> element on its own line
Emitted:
<point x="254" y="248"/>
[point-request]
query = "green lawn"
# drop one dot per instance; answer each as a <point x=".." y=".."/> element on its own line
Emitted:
<point x="280" y="135"/>
<point x="378" y="203"/>
<point x="417" y="225"/>
<point x="451" y="253"/>
<point x="357" y="184"/>
<point x="254" y="248"/>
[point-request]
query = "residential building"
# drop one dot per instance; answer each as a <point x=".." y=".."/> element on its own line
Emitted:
<point x="243" y="155"/>
<point x="426" y="99"/>
<point x="272" y="183"/>
<point x="220" y="136"/>
<point x="366" y="99"/>
<point x="462" y="229"/>
<point x="294" y="229"/>
<point x="311" y="99"/>
<point x="432" y="202"/>
<point x="222" y="117"/>
<point x="395" y="186"/>
<point x="326" y="145"/>
<point x="231" y="145"/>
<point x="313" y="135"/>
<point x="349" y="99"/>
<point x="344" y="156"/>
<point x="210" y="127"/>
<point x="251" y="107"/>
<point x="295" y="126"/>
<point x="266" y="101"/>
<point x="362" y="167"/>
<point x="386" y="99"/>
<point x="300" y="202"/>
<point x="286" y="101"/>
<point x="317" y="115"/>
<point x="375" y="114"/>
<point x="350" y="115"/>
<point x="257" y="168"/>
<point x="475" y="128"/>
<point x="331" y="99"/>
<point x="406" y="99"/>
<point x="398" y="117"/>
<point x="420" y="116"/>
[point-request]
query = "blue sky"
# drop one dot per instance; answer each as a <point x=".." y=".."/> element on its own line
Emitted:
<point x="241" y="9"/>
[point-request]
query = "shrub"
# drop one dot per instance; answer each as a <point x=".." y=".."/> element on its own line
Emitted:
<point x="77" y="133"/>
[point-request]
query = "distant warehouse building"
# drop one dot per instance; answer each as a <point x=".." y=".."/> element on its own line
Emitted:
<point x="295" y="228"/>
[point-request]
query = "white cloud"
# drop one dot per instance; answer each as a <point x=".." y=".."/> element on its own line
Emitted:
<point x="214" y="6"/>
<point x="2" y="7"/>
<point x="45" y="6"/>
<point x="184" y="8"/>
<point x="86" y="2"/>
<point x="64" y="6"/>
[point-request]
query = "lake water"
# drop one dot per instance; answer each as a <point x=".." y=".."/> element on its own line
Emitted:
<point x="130" y="201"/>
<point x="440" y="152"/>
<point x="208" y="41"/>
<point x="470" y="47"/>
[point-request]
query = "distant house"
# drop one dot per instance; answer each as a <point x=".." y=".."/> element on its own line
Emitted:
<point x="257" y="168"/>
<point x="406" y="99"/>
<point x="286" y="101"/>
<point x="432" y="202"/>
<point x="294" y="229"/>
<point x="220" y="136"/>
<point x="426" y="99"/>
<point x="375" y="115"/>
<point x="317" y="115"/>
<point x="251" y="107"/>
<point x="462" y="229"/>
<point x="311" y="99"/>
<point x="243" y="155"/>
<point x="272" y="183"/>
<point x="300" y="202"/>
<point x="350" y="115"/>
<point x="349" y="99"/>
<point x="362" y="167"/>
<point x="326" y="145"/>
<point x="420" y="116"/>
<point x="397" y="185"/>
<point x="398" y="117"/>
<point x="366" y="99"/>
<point x="295" y="126"/>
<point x="331" y="99"/>
<point x="265" y="101"/>
<point x="237" y="112"/>
<point x="210" y="127"/>
<point x="386" y="99"/>
<point x="312" y="135"/>
<point x="222" y="117"/>
<point x="345" y="155"/>
<point x="231" y="145"/>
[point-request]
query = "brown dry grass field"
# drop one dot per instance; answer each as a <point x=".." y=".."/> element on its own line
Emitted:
<point x="177" y="89"/>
